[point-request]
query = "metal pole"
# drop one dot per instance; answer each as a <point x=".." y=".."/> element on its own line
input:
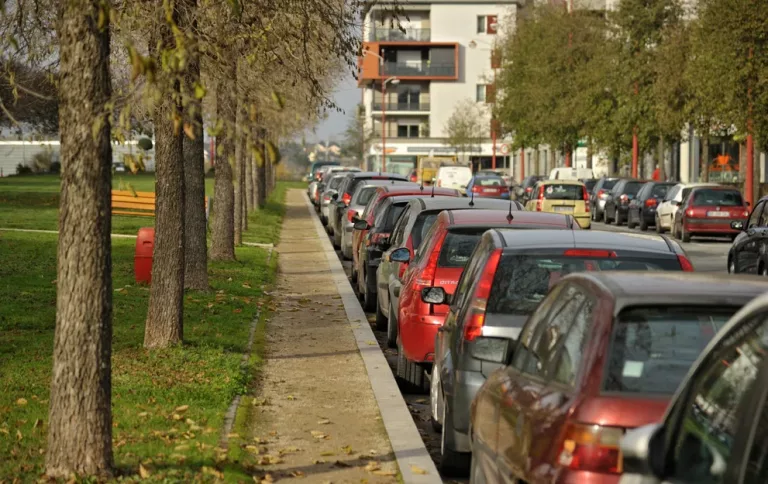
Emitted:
<point x="522" y="163"/>
<point x="384" y="126"/>
<point x="493" y="119"/>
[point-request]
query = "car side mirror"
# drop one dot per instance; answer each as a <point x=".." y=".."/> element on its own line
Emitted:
<point x="400" y="255"/>
<point x="435" y="295"/>
<point x="737" y="225"/>
<point x="361" y="225"/>
<point x="642" y="449"/>
<point x="493" y="350"/>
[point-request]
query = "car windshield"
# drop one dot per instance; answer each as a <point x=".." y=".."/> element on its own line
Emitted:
<point x="652" y="348"/>
<point x="489" y="181"/>
<point x="660" y="191"/>
<point x="458" y="246"/>
<point x="724" y="198"/>
<point x="521" y="281"/>
<point x="563" y="192"/>
<point x="422" y="225"/>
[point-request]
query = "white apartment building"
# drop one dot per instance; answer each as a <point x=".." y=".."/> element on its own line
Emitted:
<point x="443" y="56"/>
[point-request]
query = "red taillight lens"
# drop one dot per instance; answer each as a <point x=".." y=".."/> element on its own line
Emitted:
<point x="351" y="215"/>
<point x="601" y="194"/>
<point x="540" y="199"/>
<point x="476" y="315"/>
<point x="475" y="189"/>
<point x="346" y="198"/>
<point x="591" y="448"/>
<point x="414" y="178"/>
<point x="428" y="274"/>
<point x="685" y="264"/>
<point x="529" y="190"/>
<point x="651" y="202"/>
<point x="586" y="253"/>
<point x="586" y="199"/>
<point x="624" y="198"/>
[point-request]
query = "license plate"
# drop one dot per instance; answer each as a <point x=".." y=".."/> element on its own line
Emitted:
<point x="718" y="214"/>
<point x="563" y="209"/>
<point x="489" y="190"/>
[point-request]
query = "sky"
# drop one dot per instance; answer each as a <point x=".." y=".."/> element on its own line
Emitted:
<point x="346" y="96"/>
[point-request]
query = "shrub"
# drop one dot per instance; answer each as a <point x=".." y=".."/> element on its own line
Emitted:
<point x="41" y="162"/>
<point x="55" y="167"/>
<point x="145" y="144"/>
<point x="23" y="169"/>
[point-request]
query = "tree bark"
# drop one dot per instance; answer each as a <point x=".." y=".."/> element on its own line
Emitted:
<point x="662" y="159"/>
<point x="165" y="317"/>
<point x="590" y="153"/>
<point x="244" y="179"/>
<point x="254" y="170"/>
<point x="239" y="174"/>
<point x="195" y="224"/>
<point x="223" y="227"/>
<point x="704" y="161"/>
<point x="80" y="409"/>
<point x="261" y="176"/>
<point x="250" y="195"/>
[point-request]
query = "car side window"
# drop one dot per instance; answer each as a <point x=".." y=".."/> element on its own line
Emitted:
<point x="756" y="217"/>
<point x="685" y="195"/>
<point x="572" y="348"/>
<point x="706" y="423"/>
<point x="643" y="193"/>
<point x="553" y="331"/>
<point x="426" y="245"/>
<point x="396" y="239"/>
<point x="525" y="340"/>
<point x="470" y="274"/>
<point x="381" y="213"/>
<point x="672" y="193"/>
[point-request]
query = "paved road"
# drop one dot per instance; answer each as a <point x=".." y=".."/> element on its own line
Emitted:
<point x="707" y="254"/>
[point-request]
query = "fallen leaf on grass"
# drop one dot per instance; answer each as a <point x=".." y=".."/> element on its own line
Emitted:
<point x="289" y="450"/>
<point x="182" y="409"/>
<point x="213" y="472"/>
<point x="372" y="466"/>
<point x="143" y="414"/>
<point x="238" y="311"/>
<point x="348" y="450"/>
<point x="372" y="343"/>
<point x="269" y="459"/>
<point x="264" y="480"/>
<point x="246" y="285"/>
<point x="176" y="416"/>
<point x="257" y="402"/>
<point x="324" y="421"/>
<point x="3" y="431"/>
<point x="18" y="435"/>
<point x="291" y="397"/>
<point x="181" y="448"/>
<point x="252" y="448"/>
<point x="418" y="470"/>
<point x="318" y="435"/>
<point x="143" y="472"/>
<point x="21" y="401"/>
<point x="233" y="436"/>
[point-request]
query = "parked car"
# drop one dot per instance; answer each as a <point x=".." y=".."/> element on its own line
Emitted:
<point x="490" y="186"/>
<point x="327" y="199"/>
<point x="344" y="198"/>
<point x="665" y="213"/>
<point x="602" y="353"/>
<point x="589" y="183"/>
<point x="562" y="196"/>
<point x="710" y="211"/>
<point x="439" y="263"/>
<point x="501" y="172"/>
<point x="714" y="429"/>
<point x="409" y="231"/>
<point x="366" y="222"/>
<point x="749" y="251"/>
<point x="318" y="185"/>
<point x="616" y="206"/>
<point x="454" y="176"/>
<point x="642" y="208"/>
<point x="525" y="192"/>
<point x="314" y="167"/>
<point x="599" y="194"/>
<point x="568" y="173"/>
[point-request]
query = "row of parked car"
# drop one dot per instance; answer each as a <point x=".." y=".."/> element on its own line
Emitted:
<point x="551" y="353"/>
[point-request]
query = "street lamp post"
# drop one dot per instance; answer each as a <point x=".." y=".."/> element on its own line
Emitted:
<point x="395" y="81"/>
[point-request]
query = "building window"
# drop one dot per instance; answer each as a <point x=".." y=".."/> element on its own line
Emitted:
<point x="480" y="93"/>
<point x="486" y="24"/>
<point x="408" y="131"/>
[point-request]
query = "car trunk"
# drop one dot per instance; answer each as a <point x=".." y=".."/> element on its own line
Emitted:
<point x="621" y="410"/>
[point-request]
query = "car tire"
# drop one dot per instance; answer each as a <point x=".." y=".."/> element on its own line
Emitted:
<point x="659" y="228"/>
<point x="410" y="374"/>
<point x="452" y="463"/>
<point x="630" y="223"/>
<point x="732" y="268"/>
<point x="392" y="326"/>
<point x="336" y="240"/>
<point x="606" y="220"/>
<point x="381" y="320"/>
<point x="617" y="218"/>
<point x="685" y="236"/>
<point x="435" y="400"/>
<point x="763" y="270"/>
<point x="643" y="224"/>
<point x="367" y="297"/>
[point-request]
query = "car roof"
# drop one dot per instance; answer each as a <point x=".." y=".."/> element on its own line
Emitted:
<point x="561" y="182"/>
<point x="588" y="239"/>
<point x="415" y="188"/>
<point x="633" y="288"/>
<point x="371" y="174"/>
<point x="716" y="187"/>
<point x="697" y="185"/>
<point x="479" y="217"/>
<point x="456" y="203"/>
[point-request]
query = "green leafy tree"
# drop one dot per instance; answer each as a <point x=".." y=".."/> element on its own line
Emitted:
<point x="467" y="127"/>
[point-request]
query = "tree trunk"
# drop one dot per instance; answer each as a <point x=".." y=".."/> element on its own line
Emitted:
<point x="165" y="318"/>
<point x="254" y="170"/>
<point x="239" y="173"/>
<point x="244" y="180"/>
<point x="662" y="159"/>
<point x="536" y="161"/>
<point x="261" y="178"/>
<point x="250" y="199"/>
<point x="80" y="409"/>
<point x="704" y="161"/>
<point x="223" y="227"/>
<point x="590" y="153"/>
<point x="195" y="224"/>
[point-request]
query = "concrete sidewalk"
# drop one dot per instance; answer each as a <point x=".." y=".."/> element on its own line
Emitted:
<point x="331" y="406"/>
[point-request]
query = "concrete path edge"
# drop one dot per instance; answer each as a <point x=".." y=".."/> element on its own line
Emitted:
<point x="404" y="437"/>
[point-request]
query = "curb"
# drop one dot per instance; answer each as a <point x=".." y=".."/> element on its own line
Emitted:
<point x="410" y="451"/>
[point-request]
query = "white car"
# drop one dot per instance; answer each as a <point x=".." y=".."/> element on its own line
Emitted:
<point x="456" y="177"/>
<point x="665" y="214"/>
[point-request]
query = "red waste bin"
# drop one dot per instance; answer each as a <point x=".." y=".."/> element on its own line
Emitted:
<point x="142" y="262"/>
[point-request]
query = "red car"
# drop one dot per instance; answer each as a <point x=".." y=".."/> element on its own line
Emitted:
<point x="382" y="193"/>
<point x="709" y="211"/>
<point x="603" y="352"/>
<point x="439" y="262"/>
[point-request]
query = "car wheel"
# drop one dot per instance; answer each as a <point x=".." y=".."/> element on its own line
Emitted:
<point x="392" y="327"/>
<point x="606" y="220"/>
<point x="763" y="270"/>
<point x="336" y="240"/>
<point x="643" y="224"/>
<point x="368" y="297"/>
<point x="685" y="236"/>
<point x="435" y="400"/>
<point x="618" y="219"/>
<point x="732" y="269"/>
<point x="659" y="228"/>
<point x="452" y="463"/>
<point x="381" y="320"/>
<point x="410" y="374"/>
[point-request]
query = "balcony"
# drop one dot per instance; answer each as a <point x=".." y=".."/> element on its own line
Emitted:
<point x="423" y="133"/>
<point x="416" y="69"/>
<point x="397" y="35"/>
<point x="414" y="106"/>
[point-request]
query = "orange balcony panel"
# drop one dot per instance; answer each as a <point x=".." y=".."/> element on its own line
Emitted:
<point x="439" y="67"/>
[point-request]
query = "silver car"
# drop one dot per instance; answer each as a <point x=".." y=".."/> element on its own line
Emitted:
<point x="360" y="199"/>
<point x="334" y="179"/>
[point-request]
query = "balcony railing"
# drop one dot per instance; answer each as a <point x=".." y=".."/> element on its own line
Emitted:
<point x="402" y="106"/>
<point x="416" y="69"/>
<point x="392" y="133"/>
<point x="397" y="35"/>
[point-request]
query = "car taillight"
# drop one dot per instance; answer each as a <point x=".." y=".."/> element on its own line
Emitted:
<point x="624" y="198"/>
<point x="351" y="215"/>
<point x="346" y="198"/>
<point x="326" y="198"/>
<point x="586" y="199"/>
<point x="591" y="448"/>
<point x="685" y="264"/>
<point x="427" y="276"/>
<point x="414" y="178"/>
<point x="476" y="314"/>
<point x="587" y="253"/>
<point x="601" y="194"/>
<point x="689" y="212"/>
<point x="540" y="199"/>
<point x="528" y="189"/>
<point x="651" y="202"/>
<point x="475" y="189"/>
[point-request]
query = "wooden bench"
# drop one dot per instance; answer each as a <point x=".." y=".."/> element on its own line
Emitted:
<point x="137" y="204"/>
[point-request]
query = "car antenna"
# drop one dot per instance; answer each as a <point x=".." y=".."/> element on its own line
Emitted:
<point x="510" y="218"/>
<point x="433" y="190"/>
<point x="472" y="199"/>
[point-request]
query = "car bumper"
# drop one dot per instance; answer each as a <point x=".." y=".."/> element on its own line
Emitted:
<point x="467" y="385"/>
<point x="417" y="335"/>
<point x="600" y="205"/>
<point x="324" y="210"/>
<point x="568" y="476"/>
<point x="649" y="215"/>
<point x="708" y="226"/>
<point x="346" y="236"/>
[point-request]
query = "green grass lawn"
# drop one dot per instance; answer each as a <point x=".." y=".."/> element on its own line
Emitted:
<point x="168" y="406"/>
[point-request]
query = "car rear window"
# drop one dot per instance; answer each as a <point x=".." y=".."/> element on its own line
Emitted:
<point x="608" y="184"/>
<point x="660" y="191"/>
<point x="590" y="184"/>
<point x="652" y="348"/>
<point x="365" y="195"/>
<point x="457" y="247"/>
<point x="632" y="188"/>
<point x="335" y="182"/>
<point x="521" y="281"/>
<point x="563" y="192"/>
<point x="725" y="198"/>
<point x="422" y="225"/>
<point x="490" y="181"/>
